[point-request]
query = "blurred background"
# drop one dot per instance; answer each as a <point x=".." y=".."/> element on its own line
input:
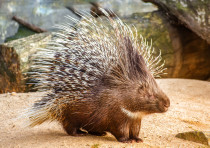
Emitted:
<point x="180" y="29"/>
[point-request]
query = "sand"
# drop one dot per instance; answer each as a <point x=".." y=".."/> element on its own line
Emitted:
<point x="189" y="111"/>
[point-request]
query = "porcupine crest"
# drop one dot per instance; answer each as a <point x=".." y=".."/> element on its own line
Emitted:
<point x="77" y="57"/>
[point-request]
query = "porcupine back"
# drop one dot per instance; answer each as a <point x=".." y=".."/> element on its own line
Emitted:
<point x="79" y="56"/>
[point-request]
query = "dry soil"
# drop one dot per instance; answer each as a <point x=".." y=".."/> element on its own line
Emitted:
<point x="189" y="111"/>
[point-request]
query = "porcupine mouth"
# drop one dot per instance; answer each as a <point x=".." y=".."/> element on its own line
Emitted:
<point x="162" y="108"/>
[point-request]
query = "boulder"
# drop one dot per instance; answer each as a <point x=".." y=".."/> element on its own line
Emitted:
<point x="195" y="136"/>
<point x="15" y="61"/>
<point x="186" y="55"/>
<point x="10" y="75"/>
<point x="194" y="15"/>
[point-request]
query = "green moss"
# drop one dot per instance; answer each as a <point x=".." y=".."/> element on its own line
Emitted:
<point x="189" y="7"/>
<point x="22" y="32"/>
<point x="196" y="136"/>
<point x="181" y="7"/>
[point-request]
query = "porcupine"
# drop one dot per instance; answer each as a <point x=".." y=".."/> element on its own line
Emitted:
<point x="99" y="80"/>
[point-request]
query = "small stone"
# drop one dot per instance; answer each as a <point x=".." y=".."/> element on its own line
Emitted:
<point x="196" y="136"/>
<point x="13" y="93"/>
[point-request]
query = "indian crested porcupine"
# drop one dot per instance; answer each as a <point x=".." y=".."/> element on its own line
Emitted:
<point x="100" y="77"/>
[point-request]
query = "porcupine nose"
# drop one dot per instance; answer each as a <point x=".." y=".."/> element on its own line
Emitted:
<point x="166" y="103"/>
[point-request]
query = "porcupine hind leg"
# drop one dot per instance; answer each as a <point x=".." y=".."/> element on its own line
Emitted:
<point x="71" y="129"/>
<point x="134" y="131"/>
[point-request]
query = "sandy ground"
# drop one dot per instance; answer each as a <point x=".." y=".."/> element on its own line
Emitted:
<point x="190" y="110"/>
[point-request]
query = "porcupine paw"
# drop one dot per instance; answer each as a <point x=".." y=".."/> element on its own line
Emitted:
<point x="75" y="132"/>
<point x="124" y="140"/>
<point x="81" y="133"/>
<point x="97" y="133"/>
<point x="130" y="140"/>
<point x="138" y="140"/>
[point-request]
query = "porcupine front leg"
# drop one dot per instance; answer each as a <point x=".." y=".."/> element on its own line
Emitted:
<point x="134" y="130"/>
<point x="128" y="132"/>
<point x="121" y="132"/>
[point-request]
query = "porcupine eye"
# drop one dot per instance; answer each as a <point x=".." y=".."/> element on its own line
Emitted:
<point x="140" y="88"/>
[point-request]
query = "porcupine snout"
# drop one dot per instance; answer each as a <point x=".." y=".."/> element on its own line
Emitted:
<point x="163" y="102"/>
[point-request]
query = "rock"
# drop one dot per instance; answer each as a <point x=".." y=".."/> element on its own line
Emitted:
<point x="10" y="75"/>
<point x="186" y="55"/>
<point x="189" y="29"/>
<point x="192" y="14"/>
<point x="128" y="7"/>
<point x="13" y="93"/>
<point x="195" y="136"/>
<point x="25" y="47"/>
<point x="15" y="61"/>
<point x="7" y="28"/>
<point x="42" y="14"/>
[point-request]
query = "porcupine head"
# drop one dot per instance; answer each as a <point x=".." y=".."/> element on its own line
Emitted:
<point x="100" y="78"/>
